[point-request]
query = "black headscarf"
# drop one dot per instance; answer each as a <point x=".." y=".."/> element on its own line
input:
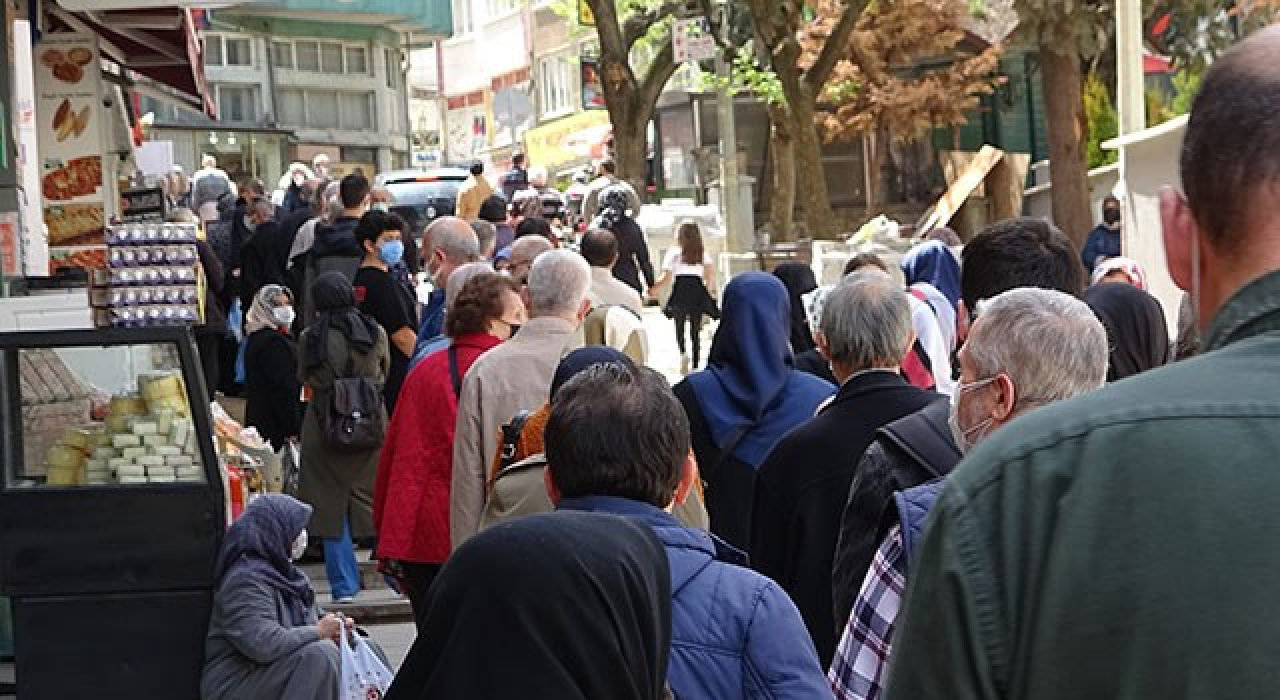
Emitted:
<point x="335" y="302"/>
<point x="799" y="280"/>
<point x="258" y="545"/>
<point x="559" y="606"/>
<point x="1135" y="326"/>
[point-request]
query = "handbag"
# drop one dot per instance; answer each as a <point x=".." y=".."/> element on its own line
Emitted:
<point x="364" y="675"/>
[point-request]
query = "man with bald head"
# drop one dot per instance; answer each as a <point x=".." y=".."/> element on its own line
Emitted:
<point x="1122" y="544"/>
<point x="450" y="242"/>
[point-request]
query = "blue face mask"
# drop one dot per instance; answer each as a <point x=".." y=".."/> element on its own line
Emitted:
<point x="391" y="252"/>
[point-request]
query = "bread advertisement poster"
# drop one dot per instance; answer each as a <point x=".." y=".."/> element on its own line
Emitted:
<point x="68" y="117"/>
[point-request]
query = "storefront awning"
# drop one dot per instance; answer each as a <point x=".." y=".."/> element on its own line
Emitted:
<point x="156" y="44"/>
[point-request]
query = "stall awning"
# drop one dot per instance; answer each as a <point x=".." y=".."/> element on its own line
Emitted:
<point x="155" y="44"/>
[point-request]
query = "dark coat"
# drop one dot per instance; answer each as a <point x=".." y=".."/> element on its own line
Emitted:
<point x="889" y="465"/>
<point x="260" y="263"/>
<point x="633" y="255"/>
<point x="800" y="493"/>
<point x="271" y="387"/>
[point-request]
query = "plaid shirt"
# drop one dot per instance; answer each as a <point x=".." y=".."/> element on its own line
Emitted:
<point x="861" y="664"/>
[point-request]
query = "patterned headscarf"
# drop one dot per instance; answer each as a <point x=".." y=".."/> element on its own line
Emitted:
<point x="614" y="201"/>
<point x="264" y="302"/>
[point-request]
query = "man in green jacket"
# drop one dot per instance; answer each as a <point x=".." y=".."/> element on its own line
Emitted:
<point x="1125" y="544"/>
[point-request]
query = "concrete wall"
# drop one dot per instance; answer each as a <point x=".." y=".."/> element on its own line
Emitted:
<point x="1102" y="182"/>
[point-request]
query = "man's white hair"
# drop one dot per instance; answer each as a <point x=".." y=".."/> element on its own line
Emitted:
<point x="1050" y="344"/>
<point x="538" y="176"/>
<point x="558" y="283"/>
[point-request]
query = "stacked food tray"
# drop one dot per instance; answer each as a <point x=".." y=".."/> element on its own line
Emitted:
<point x="153" y="277"/>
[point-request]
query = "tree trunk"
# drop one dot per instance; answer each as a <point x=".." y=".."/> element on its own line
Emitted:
<point x="782" y="199"/>
<point x="1063" y="82"/>
<point x="631" y="146"/>
<point x="811" y="179"/>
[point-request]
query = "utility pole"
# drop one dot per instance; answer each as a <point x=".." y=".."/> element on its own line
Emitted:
<point x="737" y="240"/>
<point x="1130" y="87"/>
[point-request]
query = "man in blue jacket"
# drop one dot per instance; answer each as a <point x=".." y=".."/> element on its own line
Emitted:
<point x="1104" y="240"/>
<point x="618" y="442"/>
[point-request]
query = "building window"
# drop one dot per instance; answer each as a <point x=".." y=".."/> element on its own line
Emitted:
<point x="556" y="84"/>
<point x="308" y="56"/>
<point x="331" y="58"/>
<point x="282" y="54"/>
<point x="356" y="110"/>
<point x="462" y="17"/>
<point x="357" y="60"/>
<point x="212" y="50"/>
<point x="238" y="52"/>
<point x="327" y="109"/>
<point x="238" y="103"/>
<point x="498" y="8"/>
<point x="292" y="105"/>
<point x="392" y="57"/>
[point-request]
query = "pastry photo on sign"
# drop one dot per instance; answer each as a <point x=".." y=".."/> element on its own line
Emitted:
<point x="67" y="66"/>
<point x="68" y="122"/>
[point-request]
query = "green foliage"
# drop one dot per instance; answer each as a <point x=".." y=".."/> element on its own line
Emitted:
<point x="1186" y="83"/>
<point x="749" y="77"/>
<point x="1067" y="24"/>
<point x="1104" y="122"/>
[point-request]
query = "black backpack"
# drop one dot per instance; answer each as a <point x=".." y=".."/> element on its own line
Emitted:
<point x="355" y="419"/>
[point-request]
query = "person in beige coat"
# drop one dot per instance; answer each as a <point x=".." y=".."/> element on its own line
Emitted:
<point x="514" y="377"/>
<point x="340" y="343"/>
<point x="473" y="193"/>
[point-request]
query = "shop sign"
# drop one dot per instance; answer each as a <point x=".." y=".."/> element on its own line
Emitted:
<point x="569" y="140"/>
<point x="142" y="204"/>
<point x="586" y="16"/>
<point x="10" y="245"/>
<point x="68" y="118"/>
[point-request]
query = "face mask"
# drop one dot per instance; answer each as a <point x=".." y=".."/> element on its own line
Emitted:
<point x="391" y="252"/>
<point x="298" y="180"/>
<point x="958" y="433"/>
<point x="248" y="224"/>
<point x="1111" y="216"/>
<point x="380" y="206"/>
<point x="284" y="316"/>
<point x="299" y="546"/>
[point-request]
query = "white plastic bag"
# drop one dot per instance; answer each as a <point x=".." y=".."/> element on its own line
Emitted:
<point x="364" y="676"/>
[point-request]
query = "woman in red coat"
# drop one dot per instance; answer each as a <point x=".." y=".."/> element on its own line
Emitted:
<point x="411" y="498"/>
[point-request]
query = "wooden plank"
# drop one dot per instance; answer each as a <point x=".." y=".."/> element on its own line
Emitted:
<point x="969" y="180"/>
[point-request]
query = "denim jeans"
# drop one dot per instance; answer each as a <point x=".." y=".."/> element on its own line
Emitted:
<point x="340" y="564"/>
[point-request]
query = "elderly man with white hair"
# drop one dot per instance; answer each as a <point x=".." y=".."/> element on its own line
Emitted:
<point x="1028" y="348"/>
<point x="450" y="243"/>
<point x="514" y="377"/>
<point x="800" y="488"/>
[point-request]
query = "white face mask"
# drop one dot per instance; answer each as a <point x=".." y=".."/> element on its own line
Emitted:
<point x="299" y="546"/>
<point x="380" y="206"/>
<point x="284" y="316"/>
<point x="958" y="433"/>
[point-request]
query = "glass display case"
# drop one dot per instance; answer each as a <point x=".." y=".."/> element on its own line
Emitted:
<point x="112" y="414"/>
<point x="112" y="507"/>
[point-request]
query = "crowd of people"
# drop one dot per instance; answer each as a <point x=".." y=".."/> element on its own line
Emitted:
<point x="999" y="479"/>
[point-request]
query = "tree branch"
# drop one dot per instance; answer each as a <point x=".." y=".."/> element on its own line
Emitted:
<point x="636" y="26"/>
<point x="820" y="72"/>
<point x="660" y="71"/>
<point x="607" y="28"/>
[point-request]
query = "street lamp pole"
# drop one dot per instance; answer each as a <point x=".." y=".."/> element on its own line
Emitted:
<point x="1130" y="86"/>
<point x="736" y="240"/>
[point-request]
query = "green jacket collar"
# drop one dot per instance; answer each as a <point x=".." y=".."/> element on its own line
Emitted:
<point x="1253" y="310"/>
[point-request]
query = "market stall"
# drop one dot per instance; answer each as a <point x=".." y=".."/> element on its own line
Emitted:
<point x="118" y="482"/>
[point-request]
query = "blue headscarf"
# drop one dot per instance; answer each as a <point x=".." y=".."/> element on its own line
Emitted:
<point x="750" y="382"/>
<point x="934" y="263"/>
<point x="258" y="545"/>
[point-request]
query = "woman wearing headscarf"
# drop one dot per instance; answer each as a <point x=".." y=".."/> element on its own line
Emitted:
<point x="1125" y="270"/>
<point x="271" y="386"/>
<point x="341" y="343"/>
<point x="933" y="263"/>
<point x="799" y="280"/>
<point x="1135" y="326"/>
<point x="562" y="606"/>
<point x="415" y="471"/>
<point x="749" y="396"/>
<point x="633" y="250"/>
<point x="267" y="638"/>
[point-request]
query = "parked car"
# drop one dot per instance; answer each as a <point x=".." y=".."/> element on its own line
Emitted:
<point x="422" y="196"/>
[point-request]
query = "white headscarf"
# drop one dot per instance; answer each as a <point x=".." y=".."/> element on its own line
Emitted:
<point x="264" y="302"/>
